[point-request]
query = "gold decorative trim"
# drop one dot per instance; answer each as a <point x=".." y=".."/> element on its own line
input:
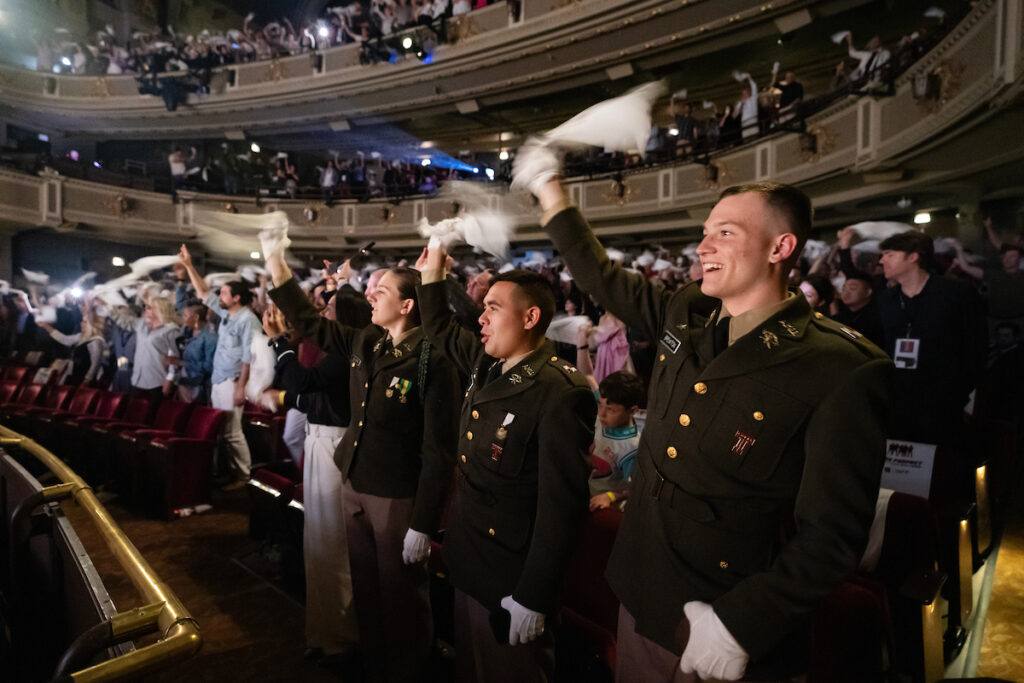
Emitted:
<point x="621" y="192"/>
<point x="944" y="83"/>
<point x="824" y="143"/>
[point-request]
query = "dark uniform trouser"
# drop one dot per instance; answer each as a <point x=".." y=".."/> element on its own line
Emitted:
<point x="480" y="658"/>
<point x="643" y="661"/>
<point x="391" y="598"/>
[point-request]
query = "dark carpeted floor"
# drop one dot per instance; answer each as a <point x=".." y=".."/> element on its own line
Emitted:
<point x="252" y="630"/>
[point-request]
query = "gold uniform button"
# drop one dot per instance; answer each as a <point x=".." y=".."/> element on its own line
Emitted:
<point x="672" y="452"/>
<point x="366" y="385"/>
<point x="354" y="444"/>
<point x="554" y="359"/>
<point x="475" y="414"/>
<point x="491" y="531"/>
<point x="662" y="358"/>
<point x="353" y="363"/>
<point x="360" y="423"/>
<point x="758" y="415"/>
<point x="819" y="316"/>
<point x="362" y="404"/>
<point x="463" y="458"/>
<point x="469" y="435"/>
<point x="684" y="420"/>
<point x="700" y="388"/>
<point x="723" y="564"/>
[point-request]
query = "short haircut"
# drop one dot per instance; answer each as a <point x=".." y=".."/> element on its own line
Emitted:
<point x="537" y="292"/>
<point x="622" y="388"/>
<point x="408" y="281"/>
<point x="241" y="290"/>
<point x="788" y="202"/>
<point x="1010" y="246"/>
<point x="912" y="242"/>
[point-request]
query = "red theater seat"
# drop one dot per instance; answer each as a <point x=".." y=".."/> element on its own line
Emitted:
<point x="94" y="432"/>
<point x="126" y="442"/>
<point x="175" y="471"/>
<point x="41" y="423"/>
<point x="589" y="606"/>
<point x="55" y="398"/>
<point x="20" y="374"/>
<point x="29" y="395"/>
<point x="8" y="390"/>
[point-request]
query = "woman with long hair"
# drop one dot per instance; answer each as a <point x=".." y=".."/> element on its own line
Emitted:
<point x="88" y="349"/>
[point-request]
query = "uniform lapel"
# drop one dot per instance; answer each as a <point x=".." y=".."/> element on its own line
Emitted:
<point x="518" y="379"/>
<point x="777" y="340"/>
<point x="401" y="352"/>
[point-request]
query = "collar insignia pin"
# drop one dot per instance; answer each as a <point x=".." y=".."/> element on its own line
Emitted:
<point x="769" y="339"/>
<point x="515" y="378"/>
<point x="789" y="328"/>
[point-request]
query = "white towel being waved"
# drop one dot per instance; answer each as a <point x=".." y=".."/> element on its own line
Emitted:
<point x="620" y="124"/>
<point x="477" y="224"/>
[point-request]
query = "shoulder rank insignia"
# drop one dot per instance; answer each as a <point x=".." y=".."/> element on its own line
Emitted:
<point x="850" y="332"/>
<point x="681" y="327"/>
<point x="528" y="369"/>
<point x="378" y="345"/>
<point x="515" y="378"/>
<point x="568" y="368"/>
<point x="789" y="328"/>
<point x="769" y="339"/>
<point x="397" y="352"/>
<point x="356" y="361"/>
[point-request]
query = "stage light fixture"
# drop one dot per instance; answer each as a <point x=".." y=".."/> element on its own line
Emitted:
<point x="922" y="218"/>
<point x="255" y="148"/>
<point x="407" y="43"/>
<point x="43" y="137"/>
<point x="65" y="61"/>
<point x="254" y="255"/>
<point x="489" y="172"/>
<point x="76" y="292"/>
<point x="673" y="132"/>
<point x="503" y="155"/>
<point x="323" y="31"/>
<point x="425" y="162"/>
<point x="117" y="262"/>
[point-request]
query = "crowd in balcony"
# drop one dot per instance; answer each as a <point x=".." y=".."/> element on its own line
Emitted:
<point x="162" y="50"/>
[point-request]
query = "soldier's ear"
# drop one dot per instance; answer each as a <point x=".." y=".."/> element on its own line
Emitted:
<point x="783" y="248"/>
<point x="531" y="317"/>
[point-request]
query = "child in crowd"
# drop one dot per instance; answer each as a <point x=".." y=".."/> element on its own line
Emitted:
<point x="616" y="433"/>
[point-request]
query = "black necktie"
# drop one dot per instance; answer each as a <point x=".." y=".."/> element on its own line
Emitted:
<point x="721" y="336"/>
<point x="494" y="373"/>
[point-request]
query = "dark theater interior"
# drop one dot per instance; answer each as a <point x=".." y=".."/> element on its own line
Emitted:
<point x="512" y="341"/>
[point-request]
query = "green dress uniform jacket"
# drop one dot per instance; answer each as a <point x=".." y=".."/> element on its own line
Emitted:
<point x="399" y="444"/>
<point x="758" y="469"/>
<point x="521" y="487"/>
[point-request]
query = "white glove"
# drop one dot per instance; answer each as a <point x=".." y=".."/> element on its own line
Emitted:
<point x="526" y="625"/>
<point x="711" y="652"/>
<point x="416" y="547"/>
<point x="536" y="163"/>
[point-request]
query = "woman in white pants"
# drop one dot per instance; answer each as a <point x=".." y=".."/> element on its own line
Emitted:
<point x="320" y="393"/>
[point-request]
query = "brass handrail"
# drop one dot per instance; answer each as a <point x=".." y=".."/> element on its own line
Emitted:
<point x="180" y="637"/>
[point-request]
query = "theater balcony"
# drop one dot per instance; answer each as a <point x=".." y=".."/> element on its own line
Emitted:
<point x="489" y="61"/>
<point x="944" y="146"/>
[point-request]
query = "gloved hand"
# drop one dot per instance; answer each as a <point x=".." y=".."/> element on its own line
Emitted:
<point x="416" y="547"/>
<point x="536" y="163"/>
<point x="526" y="625"/>
<point x="711" y="652"/>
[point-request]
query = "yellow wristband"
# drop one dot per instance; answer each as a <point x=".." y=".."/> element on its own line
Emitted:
<point x="610" y="495"/>
<point x="280" y="398"/>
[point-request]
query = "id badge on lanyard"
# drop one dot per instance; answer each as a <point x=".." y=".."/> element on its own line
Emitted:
<point x="906" y="353"/>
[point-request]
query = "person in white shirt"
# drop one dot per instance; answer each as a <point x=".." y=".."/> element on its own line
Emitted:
<point x="746" y="106"/>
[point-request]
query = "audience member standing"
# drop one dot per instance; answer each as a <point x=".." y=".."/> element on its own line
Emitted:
<point x="935" y="332"/>
<point x="230" y="361"/>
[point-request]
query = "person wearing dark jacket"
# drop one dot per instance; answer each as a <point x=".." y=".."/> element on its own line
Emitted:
<point x="935" y="331"/>
<point x="521" y="493"/>
<point x="396" y="461"/>
<point x="321" y="393"/>
<point x="759" y="465"/>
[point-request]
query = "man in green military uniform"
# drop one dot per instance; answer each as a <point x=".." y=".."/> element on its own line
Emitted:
<point x="521" y="490"/>
<point x="760" y="461"/>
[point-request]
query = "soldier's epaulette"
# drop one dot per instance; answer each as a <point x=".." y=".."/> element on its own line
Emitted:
<point x="568" y="370"/>
<point x="831" y="326"/>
